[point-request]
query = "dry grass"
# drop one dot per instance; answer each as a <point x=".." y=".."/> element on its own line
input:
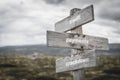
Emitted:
<point x="43" y="68"/>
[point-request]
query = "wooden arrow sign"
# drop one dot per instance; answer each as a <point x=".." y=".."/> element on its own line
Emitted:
<point x="76" y="41"/>
<point x="79" y="18"/>
<point x="86" y="59"/>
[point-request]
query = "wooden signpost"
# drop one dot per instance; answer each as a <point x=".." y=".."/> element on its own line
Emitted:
<point x="83" y="46"/>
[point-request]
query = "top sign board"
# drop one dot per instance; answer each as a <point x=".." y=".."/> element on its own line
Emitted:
<point x="79" y="18"/>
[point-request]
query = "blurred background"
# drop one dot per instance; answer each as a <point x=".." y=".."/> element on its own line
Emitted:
<point x="23" y="51"/>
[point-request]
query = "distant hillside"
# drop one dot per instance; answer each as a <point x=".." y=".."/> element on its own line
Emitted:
<point x="30" y="49"/>
<point x="43" y="49"/>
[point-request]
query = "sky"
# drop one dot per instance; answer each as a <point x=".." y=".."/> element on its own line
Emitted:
<point x="25" y="22"/>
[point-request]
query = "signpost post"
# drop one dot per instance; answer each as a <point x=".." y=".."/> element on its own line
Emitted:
<point x="69" y="35"/>
<point x="78" y="74"/>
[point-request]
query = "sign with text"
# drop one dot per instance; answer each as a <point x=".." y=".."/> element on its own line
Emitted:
<point x="76" y="41"/>
<point x="79" y="18"/>
<point x="87" y="58"/>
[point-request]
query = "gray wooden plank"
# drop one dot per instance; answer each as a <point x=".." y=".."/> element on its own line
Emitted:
<point x="79" y="18"/>
<point x="84" y="60"/>
<point x="76" y="41"/>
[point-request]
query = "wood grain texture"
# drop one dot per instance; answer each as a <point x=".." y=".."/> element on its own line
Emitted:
<point x="80" y="73"/>
<point x="56" y="39"/>
<point x="84" y="60"/>
<point x="79" y="18"/>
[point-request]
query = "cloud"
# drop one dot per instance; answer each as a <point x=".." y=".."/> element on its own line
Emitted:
<point x="26" y="21"/>
<point x="21" y="39"/>
<point x="110" y="10"/>
<point x="54" y="1"/>
<point x="108" y="15"/>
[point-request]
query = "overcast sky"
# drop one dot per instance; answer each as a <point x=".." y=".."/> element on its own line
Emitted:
<point x="24" y="22"/>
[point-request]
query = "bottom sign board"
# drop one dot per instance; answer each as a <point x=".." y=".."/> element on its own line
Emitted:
<point x="85" y="59"/>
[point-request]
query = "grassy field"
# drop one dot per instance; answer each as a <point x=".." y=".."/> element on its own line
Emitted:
<point x="43" y="68"/>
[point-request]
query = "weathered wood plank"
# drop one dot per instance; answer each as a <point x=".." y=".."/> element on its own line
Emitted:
<point x="76" y="41"/>
<point x="84" y="60"/>
<point x="79" y="18"/>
